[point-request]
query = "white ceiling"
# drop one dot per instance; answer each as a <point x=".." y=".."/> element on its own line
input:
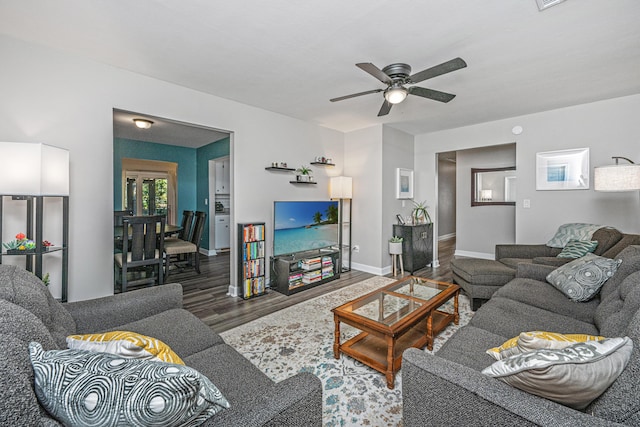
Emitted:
<point x="163" y="131"/>
<point x="291" y="57"/>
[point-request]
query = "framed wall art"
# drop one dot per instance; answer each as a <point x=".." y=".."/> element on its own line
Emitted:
<point x="563" y="170"/>
<point x="404" y="183"/>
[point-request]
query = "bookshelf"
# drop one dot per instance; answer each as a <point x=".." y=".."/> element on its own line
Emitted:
<point x="35" y="231"/>
<point x="299" y="272"/>
<point x="251" y="259"/>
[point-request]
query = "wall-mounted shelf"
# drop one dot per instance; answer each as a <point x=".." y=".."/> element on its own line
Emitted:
<point x="277" y="168"/>
<point x="322" y="164"/>
<point x="303" y="182"/>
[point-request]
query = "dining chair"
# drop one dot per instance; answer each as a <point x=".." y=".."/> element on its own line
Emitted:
<point x="142" y="253"/>
<point x="118" y="229"/>
<point x="185" y="228"/>
<point x="190" y="248"/>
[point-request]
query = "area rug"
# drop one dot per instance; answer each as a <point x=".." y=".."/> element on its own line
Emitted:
<point x="300" y="339"/>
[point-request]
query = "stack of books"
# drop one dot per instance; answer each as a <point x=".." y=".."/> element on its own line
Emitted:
<point x="311" y="263"/>
<point x="295" y="280"/>
<point x="312" y="277"/>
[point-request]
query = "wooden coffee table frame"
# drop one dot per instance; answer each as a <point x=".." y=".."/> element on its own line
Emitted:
<point x="380" y="346"/>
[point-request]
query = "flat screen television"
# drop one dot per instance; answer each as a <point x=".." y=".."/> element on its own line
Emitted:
<point x="304" y="225"/>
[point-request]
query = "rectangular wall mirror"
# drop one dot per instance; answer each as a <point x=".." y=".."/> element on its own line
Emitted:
<point x="493" y="186"/>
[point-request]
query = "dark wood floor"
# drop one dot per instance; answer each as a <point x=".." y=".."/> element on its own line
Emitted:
<point x="205" y="295"/>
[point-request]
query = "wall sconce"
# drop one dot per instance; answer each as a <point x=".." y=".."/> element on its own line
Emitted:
<point x="143" y="123"/>
<point x="617" y="177"/>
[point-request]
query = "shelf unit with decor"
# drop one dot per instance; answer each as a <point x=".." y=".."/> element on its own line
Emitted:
<point x="323" y="164"/>
<point x="279" y="169"/>
<point x="251" y="259"/>
<point x="35" y="231"/>
<point x="302" y="271"/>
<point x="303" y="182"/>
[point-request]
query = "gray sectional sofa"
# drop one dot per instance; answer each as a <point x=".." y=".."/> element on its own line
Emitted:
<point x="448" y="388"/>
<point x="480" y="278"/>
<point x="29" y="313"/>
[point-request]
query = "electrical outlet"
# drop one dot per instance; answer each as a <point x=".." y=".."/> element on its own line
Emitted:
<point x="356" y="248"/>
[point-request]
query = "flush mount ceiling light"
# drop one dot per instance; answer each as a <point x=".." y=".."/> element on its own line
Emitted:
<point x="395" y="94"/>
<point x="143" y="123"/>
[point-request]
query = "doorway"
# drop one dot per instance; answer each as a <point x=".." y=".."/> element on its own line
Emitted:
<point x="150" y="190"/>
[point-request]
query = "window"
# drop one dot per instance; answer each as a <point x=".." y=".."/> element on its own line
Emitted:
<point x="149" y="188"/>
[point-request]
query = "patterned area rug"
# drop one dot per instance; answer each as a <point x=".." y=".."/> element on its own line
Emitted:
<point x="300" y="339"/>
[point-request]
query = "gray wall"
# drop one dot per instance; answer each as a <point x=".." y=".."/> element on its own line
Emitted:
<point x="446" y="217"/>
<point x="608" y="128"/>
<point x="363" y="162"/>
<point x="55" y="97"/>
<point x="480" y="228"/>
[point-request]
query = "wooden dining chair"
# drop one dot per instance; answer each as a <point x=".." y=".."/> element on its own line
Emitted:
<point x="191" y="248"/>
<point x="118" y="229"/>
<point x="185" y="227"/>
<point x="142" y="253"/>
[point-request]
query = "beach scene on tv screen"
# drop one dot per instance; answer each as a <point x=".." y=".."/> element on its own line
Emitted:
<point x="302" y="226"/>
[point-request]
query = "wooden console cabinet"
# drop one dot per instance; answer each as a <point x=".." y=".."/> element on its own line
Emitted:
<point x="417" y="245"/>
<point x="299" y="272"/>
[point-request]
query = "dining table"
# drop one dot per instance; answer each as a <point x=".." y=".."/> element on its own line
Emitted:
<point x="169" y="229"/>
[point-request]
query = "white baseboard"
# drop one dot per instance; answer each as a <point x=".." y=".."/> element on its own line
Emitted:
<point x="447" y="236"/>
<point x="233" y="291"/>
<point x="369" y="269"/>
<point x="469" y="254"/>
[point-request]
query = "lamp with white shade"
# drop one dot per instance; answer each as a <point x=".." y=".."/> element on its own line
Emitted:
<point x="341" y="188"/>
<point x="617" y="177"/>
<point x="30" y="172"/>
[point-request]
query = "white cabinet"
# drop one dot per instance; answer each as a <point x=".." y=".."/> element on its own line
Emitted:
<point x="222" y="232"/>
<point x="222" y="176"/>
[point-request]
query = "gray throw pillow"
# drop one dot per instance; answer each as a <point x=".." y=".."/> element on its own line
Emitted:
<point x="81" y="388"/>
<point x="581" y="279"/>
<point x="573" y="376"/>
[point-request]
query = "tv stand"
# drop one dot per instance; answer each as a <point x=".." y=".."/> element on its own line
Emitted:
<point x="304" y="270"/>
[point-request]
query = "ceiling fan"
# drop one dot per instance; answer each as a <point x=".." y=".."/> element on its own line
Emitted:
<point x="396" y="76"/>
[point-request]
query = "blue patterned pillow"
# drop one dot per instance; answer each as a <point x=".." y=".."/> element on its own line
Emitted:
<point x="81" y="388"/>
<point x="578" y="248"/>
<point x="582" y="278"/>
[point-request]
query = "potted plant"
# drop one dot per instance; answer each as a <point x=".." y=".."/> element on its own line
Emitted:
<point x="420" y="215"/>
<point x="304" y="174"/>
<point x="395" y="245"/>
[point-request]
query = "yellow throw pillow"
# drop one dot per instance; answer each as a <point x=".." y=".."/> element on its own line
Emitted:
<point x="536" y="340"/>
<point x="125" y="344"/>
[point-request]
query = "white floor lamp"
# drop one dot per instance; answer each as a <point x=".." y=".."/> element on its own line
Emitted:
<point x="341" y="188"/>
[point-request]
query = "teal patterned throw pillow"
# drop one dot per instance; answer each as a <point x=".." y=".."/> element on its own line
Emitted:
<point x="82" y="388"/>
<point x="578" y="248"/>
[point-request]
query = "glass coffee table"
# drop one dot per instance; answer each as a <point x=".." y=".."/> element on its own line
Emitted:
<point x="393" y="318"/>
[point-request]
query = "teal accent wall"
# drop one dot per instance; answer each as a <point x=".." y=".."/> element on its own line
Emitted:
<point x="205" y="153"/>
<point x="193" y="179"/>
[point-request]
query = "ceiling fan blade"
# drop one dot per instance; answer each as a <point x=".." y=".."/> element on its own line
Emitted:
<point x="436" y="95"/>
<point x="340" y="98"/>
<point x="386" y="107"/>
<point x="375" y="72"/>
<point x="444" y="68"/>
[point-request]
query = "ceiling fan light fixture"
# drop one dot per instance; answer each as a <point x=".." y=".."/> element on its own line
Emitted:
<point x="395" y="94"/>
<point x="143" y="123"/>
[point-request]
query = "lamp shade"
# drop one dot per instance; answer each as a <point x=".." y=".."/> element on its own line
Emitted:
<point x="30" y="169"/>
<point x="617" y="178"/>
<point x="341" y="187"/>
